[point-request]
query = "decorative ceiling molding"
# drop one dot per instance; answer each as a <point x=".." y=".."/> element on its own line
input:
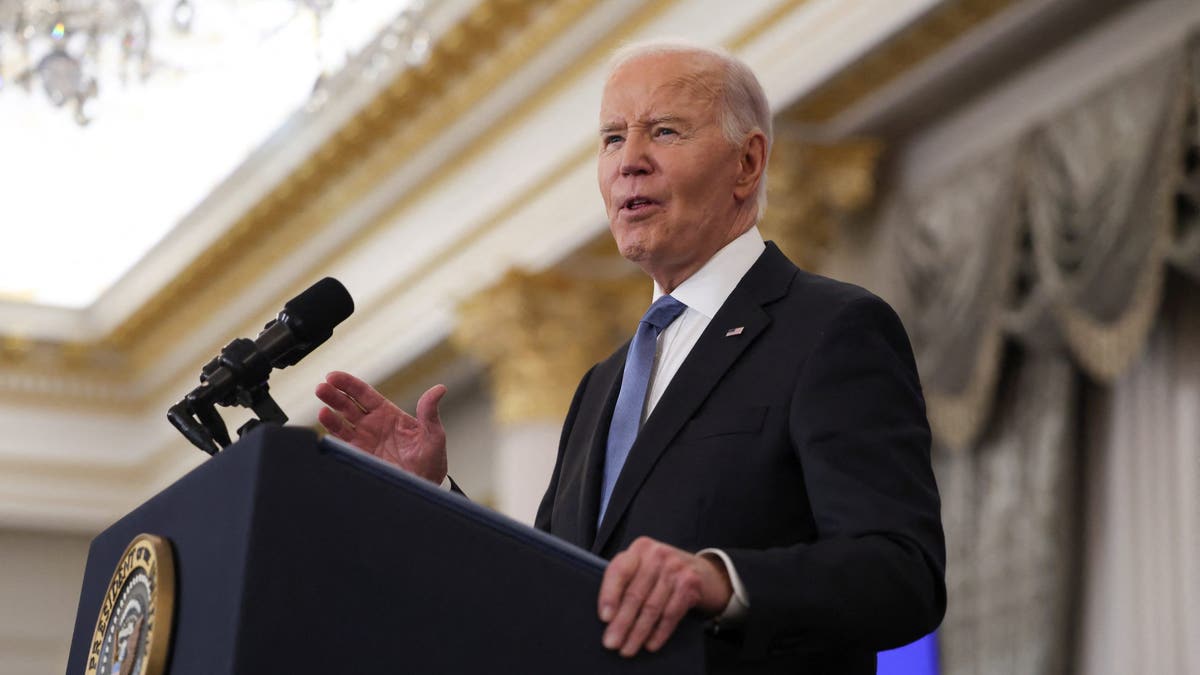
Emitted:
<point x="883" y="64"/>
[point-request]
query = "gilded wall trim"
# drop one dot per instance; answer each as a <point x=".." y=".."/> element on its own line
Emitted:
<point x="813" y="190"/>
<point x="764" y="23"/>
<point x="900" y="54"/>
<point x="538" y="331"/>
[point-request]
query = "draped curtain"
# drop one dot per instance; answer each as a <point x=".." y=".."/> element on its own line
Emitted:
<point x="1026" y="274"/>
<point x="1009" y="539"/>
<point x="1141" y="608"/>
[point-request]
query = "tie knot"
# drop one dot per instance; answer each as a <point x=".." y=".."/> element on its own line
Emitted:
<point x="664" y="310"/>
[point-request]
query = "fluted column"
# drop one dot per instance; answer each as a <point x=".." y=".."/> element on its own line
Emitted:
<point x="538" y="333"/>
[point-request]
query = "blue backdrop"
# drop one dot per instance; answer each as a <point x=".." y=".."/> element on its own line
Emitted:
<point x="918" y="658"/>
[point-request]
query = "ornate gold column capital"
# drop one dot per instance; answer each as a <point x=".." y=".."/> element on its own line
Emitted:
<point x="539" y="332"/>
<point x="813" y="189"/>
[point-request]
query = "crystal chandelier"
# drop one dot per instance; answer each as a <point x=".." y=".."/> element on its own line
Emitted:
<point x="69" y="50"/>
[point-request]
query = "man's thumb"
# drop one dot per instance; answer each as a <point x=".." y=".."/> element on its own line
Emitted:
<point x="427" y="405"/>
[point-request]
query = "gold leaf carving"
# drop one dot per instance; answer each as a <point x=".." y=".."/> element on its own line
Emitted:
<point x="813" y="189"/>
<point x="539" y="332"/>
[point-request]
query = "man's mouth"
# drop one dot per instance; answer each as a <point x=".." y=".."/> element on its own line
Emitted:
<point x="636" y="203"/>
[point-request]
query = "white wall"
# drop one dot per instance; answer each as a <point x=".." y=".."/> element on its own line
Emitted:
<point x="40" y="577"/>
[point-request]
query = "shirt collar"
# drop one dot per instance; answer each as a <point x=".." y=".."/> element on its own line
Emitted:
<point x="706" y="290"/>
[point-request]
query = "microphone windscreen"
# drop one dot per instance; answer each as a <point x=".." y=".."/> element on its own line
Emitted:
<point x="318" y="309"/>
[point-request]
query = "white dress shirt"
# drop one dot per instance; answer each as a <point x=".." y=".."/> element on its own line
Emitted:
<point x="704" y="292"/>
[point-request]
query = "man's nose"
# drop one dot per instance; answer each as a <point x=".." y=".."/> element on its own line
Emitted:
<point x="635" y="159"/>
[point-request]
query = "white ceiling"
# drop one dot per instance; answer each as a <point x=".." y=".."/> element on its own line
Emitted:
<point x="81" y="205"/>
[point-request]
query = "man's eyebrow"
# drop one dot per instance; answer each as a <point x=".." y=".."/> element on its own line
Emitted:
<point x="648" y="122"/>
<point x="664" y="119"/>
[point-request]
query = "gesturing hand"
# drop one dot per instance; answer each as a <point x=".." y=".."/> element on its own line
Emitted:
<point x="361" y="416"/>
<point x="647" y="589"/>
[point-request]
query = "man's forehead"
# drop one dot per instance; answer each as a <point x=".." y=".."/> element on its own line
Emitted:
<point x="642" y="96"/>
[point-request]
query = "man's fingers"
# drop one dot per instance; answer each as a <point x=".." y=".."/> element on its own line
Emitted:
<point x="340" y="402"/>
<point x="612" y="587"/>
<point x="684" y="597"/>
<point x="427" y="405"/>
<point x="646" y="591"/>
<point x="648" y="616"/>
<point x="335" y="424"/>
<point x="631" y="605"/>
<point x="637" y="591"/>
<point x="356" y="389"/>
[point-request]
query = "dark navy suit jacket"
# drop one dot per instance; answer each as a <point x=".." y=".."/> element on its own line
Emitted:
<point x="799" y="446"/>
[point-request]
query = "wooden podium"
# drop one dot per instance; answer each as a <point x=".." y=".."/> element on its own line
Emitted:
<point x="298" y="555"/>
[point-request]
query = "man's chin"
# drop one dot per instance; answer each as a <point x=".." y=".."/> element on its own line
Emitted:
<point x="637" y="242"/>
<point x="633" y="252"/>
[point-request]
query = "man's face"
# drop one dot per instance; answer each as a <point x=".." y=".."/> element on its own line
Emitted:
<point x="667" y="173"/>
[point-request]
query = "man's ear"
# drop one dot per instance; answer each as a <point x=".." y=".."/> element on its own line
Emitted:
<point x="752" y="163"/>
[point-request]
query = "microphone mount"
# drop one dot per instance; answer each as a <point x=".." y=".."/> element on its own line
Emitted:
<point x="238" y="375"/>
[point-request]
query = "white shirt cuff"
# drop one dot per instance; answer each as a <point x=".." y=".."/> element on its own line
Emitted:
<point x="739" y="603"/>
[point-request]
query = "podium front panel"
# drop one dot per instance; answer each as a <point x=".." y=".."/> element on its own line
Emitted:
<point x="298" y="556"/>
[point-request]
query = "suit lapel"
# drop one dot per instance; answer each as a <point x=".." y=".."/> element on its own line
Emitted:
<point x="702" y="370"/>
<point x="609" y="378"/>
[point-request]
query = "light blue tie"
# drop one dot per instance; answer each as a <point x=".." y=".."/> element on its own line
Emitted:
<point x="627" y="415"/>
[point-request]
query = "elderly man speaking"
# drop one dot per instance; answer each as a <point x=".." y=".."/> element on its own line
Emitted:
<point x="758" y="452"/>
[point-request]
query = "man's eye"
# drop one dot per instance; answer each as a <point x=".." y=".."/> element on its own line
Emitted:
<point x="665" y="131"/>
<point x="612" y="138"/>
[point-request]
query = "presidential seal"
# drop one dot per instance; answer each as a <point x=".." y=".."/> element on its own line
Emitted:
<point x="133" y="631"/>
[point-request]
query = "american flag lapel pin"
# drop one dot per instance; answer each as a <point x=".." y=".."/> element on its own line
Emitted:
<point x="734" y="331"/>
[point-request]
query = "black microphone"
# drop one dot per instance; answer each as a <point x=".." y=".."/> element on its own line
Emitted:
<point x="238" y="375"/>
<point x="305" y="323"/>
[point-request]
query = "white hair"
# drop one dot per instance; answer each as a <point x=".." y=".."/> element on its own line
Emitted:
<point x="743" y="103"/>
